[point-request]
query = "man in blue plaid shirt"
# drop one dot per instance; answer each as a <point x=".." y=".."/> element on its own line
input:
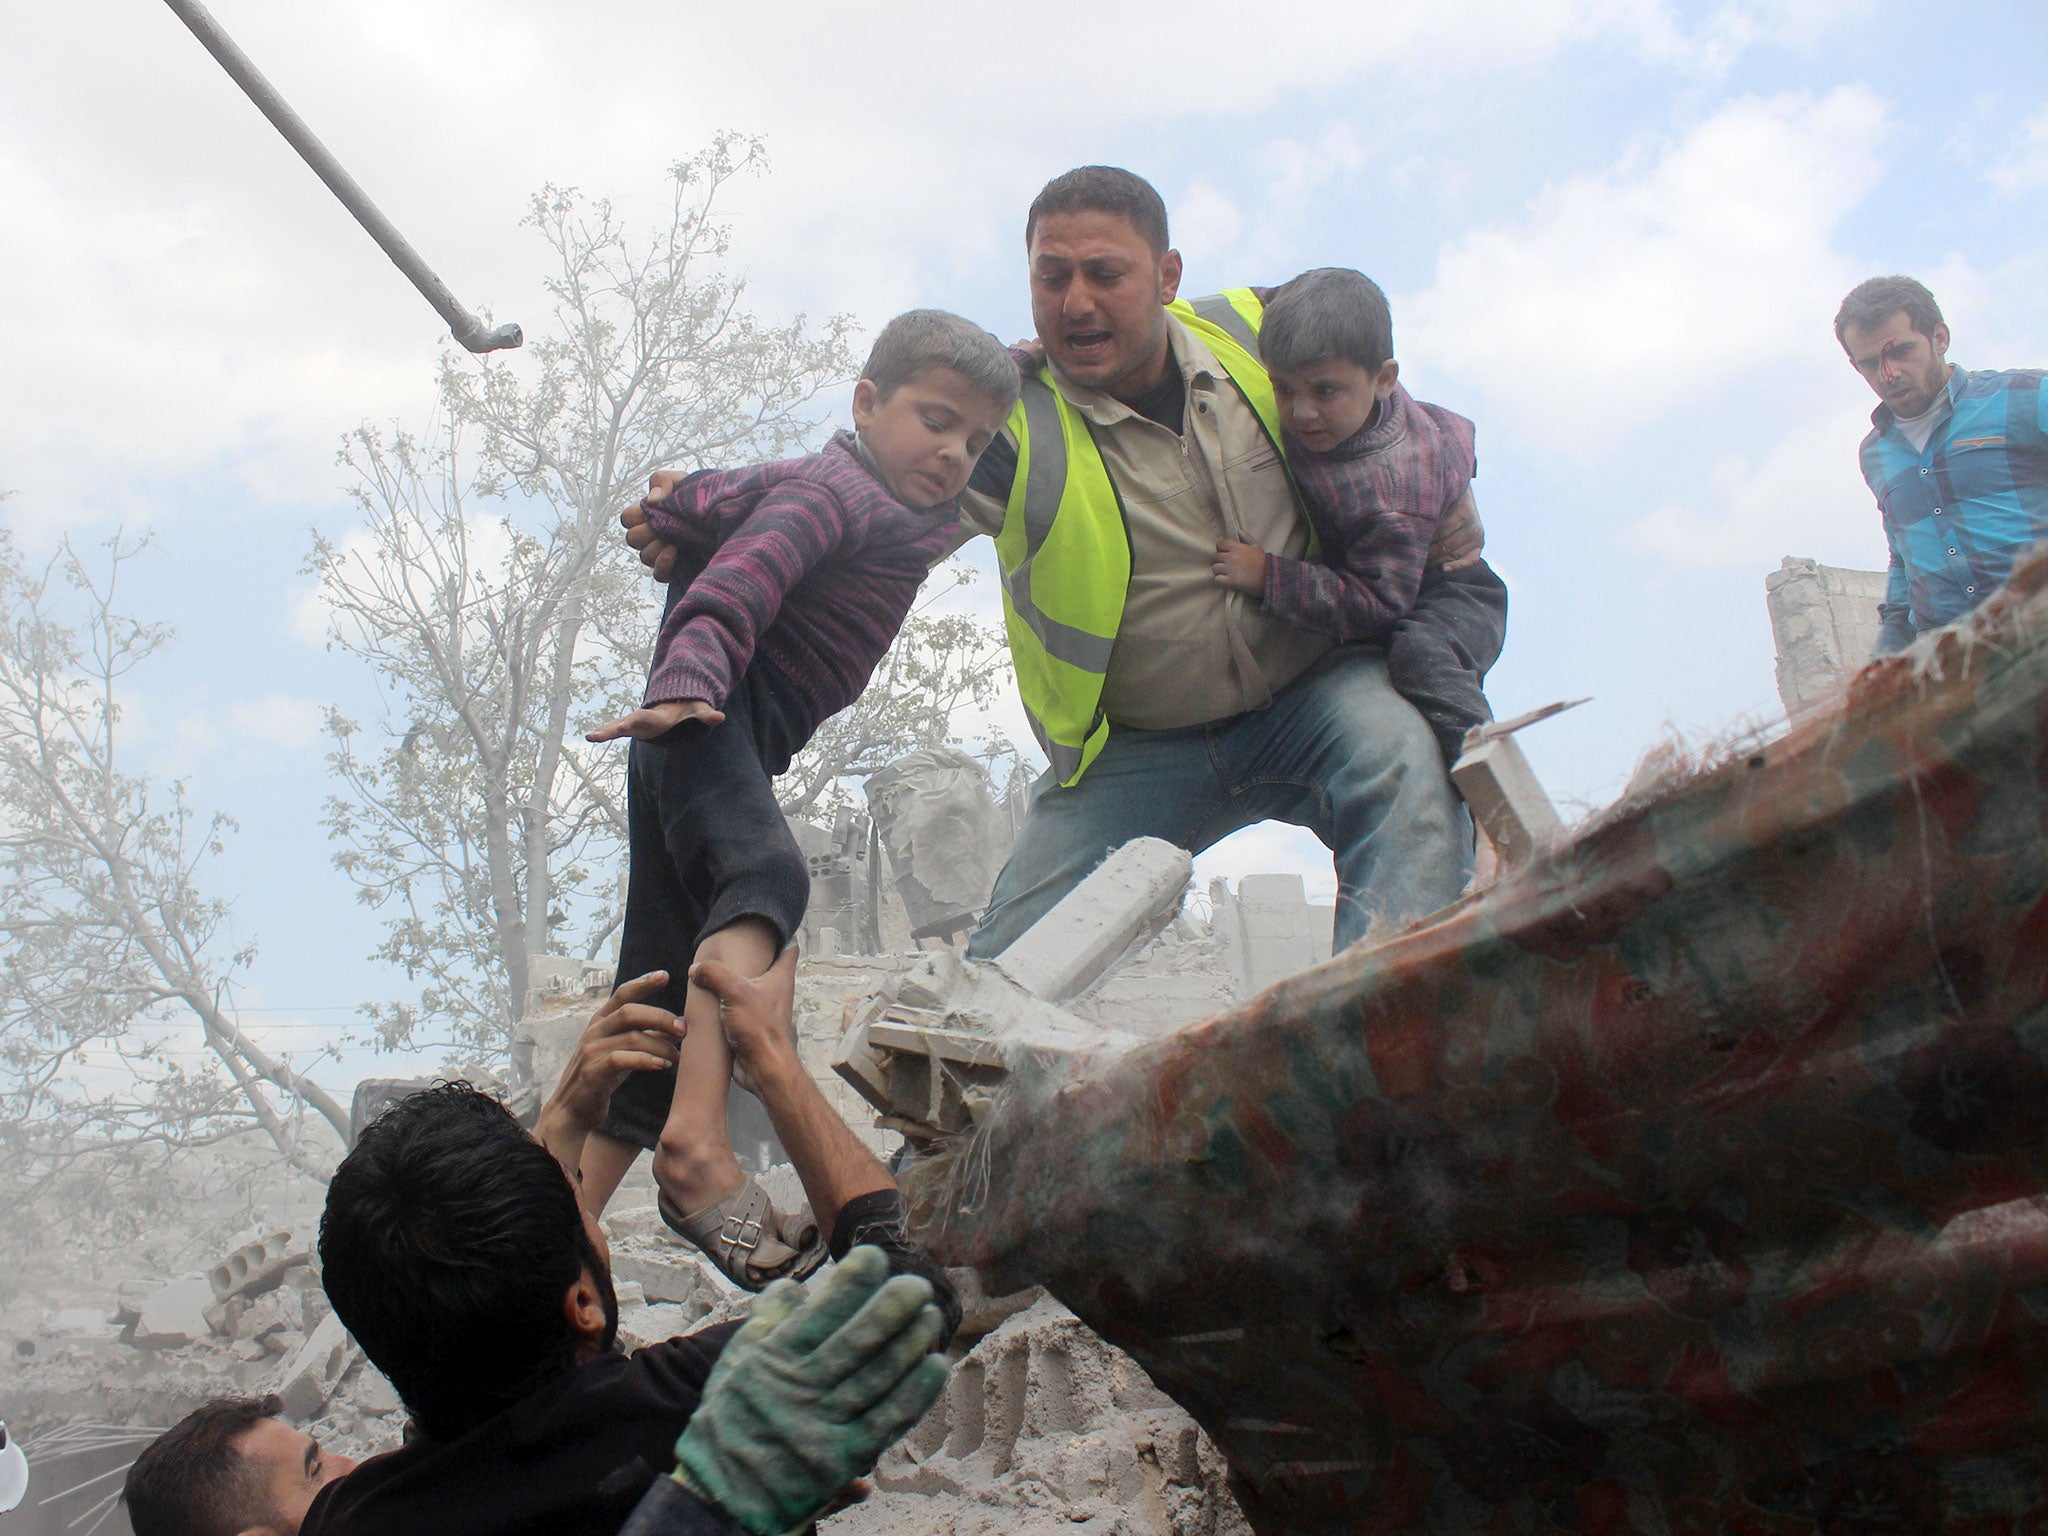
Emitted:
<point x="1958" y="461"/>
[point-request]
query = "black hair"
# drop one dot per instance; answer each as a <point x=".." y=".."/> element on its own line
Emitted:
<point x="1103" y="189"/>
<point x="191" y="1481"/>
<point x="449" y="1240"/>
<point x="1876" y="299"/>
<point x="1327" y="312"/>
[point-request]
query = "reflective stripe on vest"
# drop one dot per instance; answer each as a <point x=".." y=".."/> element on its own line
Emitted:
<point x="1064" y="551"/>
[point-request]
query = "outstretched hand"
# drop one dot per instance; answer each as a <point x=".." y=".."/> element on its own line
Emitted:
<point x="657" y="556"/>
<point x="652" y="720"/>
<point x="625" y="1035"/>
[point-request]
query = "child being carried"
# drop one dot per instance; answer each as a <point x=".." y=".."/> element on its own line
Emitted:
<point x="1377" y="470"/>
<point x="792" y="580"/>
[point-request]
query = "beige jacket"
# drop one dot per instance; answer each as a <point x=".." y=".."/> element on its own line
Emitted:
<point x="1190" y="651"/>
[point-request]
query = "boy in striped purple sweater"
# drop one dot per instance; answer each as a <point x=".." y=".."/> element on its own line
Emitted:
<point x="790" y="583"/>
<point x="1377" y="470"/>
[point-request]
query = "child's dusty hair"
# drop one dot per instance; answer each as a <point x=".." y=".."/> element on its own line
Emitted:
<point x="1327" y="312"/>
<point x="933" y="338"/>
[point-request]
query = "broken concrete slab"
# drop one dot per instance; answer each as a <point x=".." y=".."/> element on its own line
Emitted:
<point x="934" y="1045"/>
<point x="175" y="1313"/>
<point x="311" y="1372"/>
<point x="1130" y="897"/>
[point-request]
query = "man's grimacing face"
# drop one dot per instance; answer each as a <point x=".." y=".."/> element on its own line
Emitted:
<point x="1903" y="368"/>
<point x="291" y="1468"/>
<point x="1098" y="298"/>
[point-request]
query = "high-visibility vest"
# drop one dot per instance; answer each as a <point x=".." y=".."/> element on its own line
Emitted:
<point x="1064" y="551"/>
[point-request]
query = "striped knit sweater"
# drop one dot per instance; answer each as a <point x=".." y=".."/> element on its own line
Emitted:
<point x="1375" y="500"/>
<point x="808" y="566"/>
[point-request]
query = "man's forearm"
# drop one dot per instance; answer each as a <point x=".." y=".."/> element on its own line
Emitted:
<point x="565" y="1136"/>
<point x="834" y="1164"/>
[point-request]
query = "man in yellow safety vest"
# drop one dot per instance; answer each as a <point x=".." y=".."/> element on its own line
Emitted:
<point x="1168" y="705"/>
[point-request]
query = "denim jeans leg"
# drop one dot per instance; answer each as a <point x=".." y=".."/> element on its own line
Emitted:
<point x="1341" y="753"/>
<point x="1143" y="784"/>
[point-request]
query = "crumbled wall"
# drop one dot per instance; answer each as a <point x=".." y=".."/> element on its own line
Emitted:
<point x="1823" y="622"/>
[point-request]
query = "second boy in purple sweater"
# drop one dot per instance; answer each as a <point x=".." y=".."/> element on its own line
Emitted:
<point x="1377" y="470"/>
<point x="791" y="581"/>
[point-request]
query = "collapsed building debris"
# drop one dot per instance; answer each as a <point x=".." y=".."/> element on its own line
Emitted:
<point x="1689" y="1179"/>
<point x="1045" y="1428"/>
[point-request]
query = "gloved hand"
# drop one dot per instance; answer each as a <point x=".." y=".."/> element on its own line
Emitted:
<point x="810" y="1392"/>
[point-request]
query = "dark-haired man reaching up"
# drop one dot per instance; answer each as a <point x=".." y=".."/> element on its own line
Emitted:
<point x="455" y="1249"/>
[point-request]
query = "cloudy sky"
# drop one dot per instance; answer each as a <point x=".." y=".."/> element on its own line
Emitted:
<point x="1614" y="232"/>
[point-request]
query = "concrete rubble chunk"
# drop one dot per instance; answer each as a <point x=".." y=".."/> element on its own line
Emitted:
<point x="275" y="1311"/>
<point x="371" y="1392"/>
<point x="255" y="1266"/>
<point x="175" y="1314"/>
<point x="644" y="1325"/>
<point x="1044" y="1427"/>
<point x="128" y="1301"/>
<point x="311" y="1372"/>
<point x="932" y="1047"/>
<point x="1130" y="897"/>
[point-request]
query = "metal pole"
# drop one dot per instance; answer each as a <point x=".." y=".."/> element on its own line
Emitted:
<point x="467" y="328"/>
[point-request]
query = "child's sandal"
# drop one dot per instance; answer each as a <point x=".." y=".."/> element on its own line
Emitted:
<point x="750" y="1242"/>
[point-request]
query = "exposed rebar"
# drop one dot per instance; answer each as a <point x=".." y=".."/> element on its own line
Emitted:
<point x="467" y="328"/>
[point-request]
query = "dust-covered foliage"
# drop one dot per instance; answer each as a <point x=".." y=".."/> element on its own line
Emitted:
<point x="108" y="932"/>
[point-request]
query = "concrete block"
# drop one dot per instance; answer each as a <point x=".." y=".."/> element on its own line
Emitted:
<point x="273" y="1312"/>
<point x="311" y="1372"/>
<point x="128" y="1301"/>
<point x="1278" y="927"/>
<point x="1132" y="894"/>
<point x="255" y="1266"/>
<point x="175" y="1314"/>
<point x="1823" y="625"/>
<point x="1505" y="798"/>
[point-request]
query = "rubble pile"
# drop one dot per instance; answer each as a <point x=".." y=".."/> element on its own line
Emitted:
<point x="256" y="1322"/>
<point x="1045" y="1428"/>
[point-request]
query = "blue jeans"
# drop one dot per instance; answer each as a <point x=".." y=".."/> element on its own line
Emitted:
<point x="1338" y="752"/>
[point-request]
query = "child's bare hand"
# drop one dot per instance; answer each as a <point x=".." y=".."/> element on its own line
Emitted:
<point x="652" y="720"/>
<point x="1241" y="566"/>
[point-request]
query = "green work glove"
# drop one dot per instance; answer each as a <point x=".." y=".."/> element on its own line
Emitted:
<point x="811" y="1391"/>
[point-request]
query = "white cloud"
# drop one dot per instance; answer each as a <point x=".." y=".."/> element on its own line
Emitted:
<point x="1803" y="496"/>
<point x="2024" y="166"/>
<point x="276" y="720"/>
<point x="186" y="295"/>
<point x="1686" y="266"/>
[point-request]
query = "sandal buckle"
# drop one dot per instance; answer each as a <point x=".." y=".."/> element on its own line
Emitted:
<point x="742" y="1234"/>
